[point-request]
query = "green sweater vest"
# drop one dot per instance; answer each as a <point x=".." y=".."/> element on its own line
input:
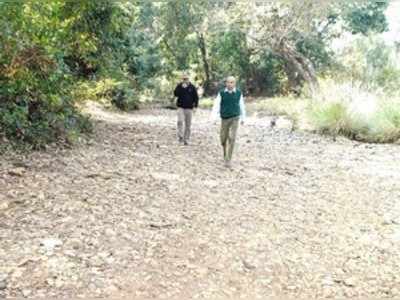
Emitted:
<point x="230" y="104"/>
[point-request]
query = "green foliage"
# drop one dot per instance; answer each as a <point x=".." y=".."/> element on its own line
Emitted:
<point x="36" y="106"/>
<point x="206" y="103"/>
<point x="50" y="51"/>
<point x="315" y="48"/>
<point x="96" y="28"/>
<point x="99" y="90"/>
<point x="373" y="63"/>
<point x="229" y="53"/>
<point x="178" y="42"/>
<point x="124" y="98"/>
<point x="385" y="125"/>
<point x="367" y="17"/>
<point x="267" y="76"/>
<point x="57" y="54"/>
<point x="350" y="111"/>
<point x="40" y="124"/>
<point x="163" y="87"/>
<point x="141" y="59"/>
<point x="276" y="106"/>
<point x="337" y="119"/>
<point x="334" y="119"/>
<point x="118" y="93"/>
<point x="339" y="110"/>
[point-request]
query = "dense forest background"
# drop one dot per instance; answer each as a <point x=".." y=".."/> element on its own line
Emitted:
<point x="56" y="54"/>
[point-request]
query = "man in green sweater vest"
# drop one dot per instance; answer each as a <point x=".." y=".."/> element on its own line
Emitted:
<point x="229" y="106"/>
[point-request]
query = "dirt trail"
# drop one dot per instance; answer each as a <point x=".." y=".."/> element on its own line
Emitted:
<point x="134" y="213"/>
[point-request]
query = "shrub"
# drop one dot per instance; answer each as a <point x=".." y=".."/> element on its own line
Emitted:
<point x="95" y="90"/>
<point x="206" y="103"/>
<point x="277" y="106"/>
<point x="36" y="107"/>
<point x="335" y="119"/>
<point x="385" y="125"/>
<point x="342" y="109"/>
<point x="124" y="98"/>
<point x="38" y="126"/>
<point x="372" y="63"/>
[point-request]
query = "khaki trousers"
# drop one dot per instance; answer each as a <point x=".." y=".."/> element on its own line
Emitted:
<point x="229" y="128"/>
<point x="184" y="123"/>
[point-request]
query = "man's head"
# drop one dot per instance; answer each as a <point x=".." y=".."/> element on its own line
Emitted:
<point x="185" y="77"/>
<point x="230" y="82"/>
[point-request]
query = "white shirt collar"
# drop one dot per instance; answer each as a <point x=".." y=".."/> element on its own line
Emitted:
<point x="227" y="91"/>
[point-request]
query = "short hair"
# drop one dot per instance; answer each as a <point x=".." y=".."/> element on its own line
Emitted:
<point x="230" y="78"/>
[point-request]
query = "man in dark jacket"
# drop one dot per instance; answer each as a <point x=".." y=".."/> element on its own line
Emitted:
<point x="188" y="100"/>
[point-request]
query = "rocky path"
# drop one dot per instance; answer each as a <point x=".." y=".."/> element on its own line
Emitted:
<point x="135" y="214"/>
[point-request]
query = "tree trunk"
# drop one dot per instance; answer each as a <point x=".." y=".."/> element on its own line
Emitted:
<point x="294" y="80"/>
<point x="206" y="66"/>
<point x="298" y="68"/>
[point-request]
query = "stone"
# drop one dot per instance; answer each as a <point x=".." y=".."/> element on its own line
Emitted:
<point x="247" y="265"/>
<point x="3" y="284"/>
<point x="350" y="282"/>
<point x="283" y="123"/>
<point x="50" y="244"/>
<point x="4" y="205"/>
<point x="328" y="281"/>
<point x="396" y="236"/>
<point x="388" y="220"/>
<point x="96" y="261"/>
<point x="75" y="244"/>
<point x="17" y="172"/>
<point x="109" y="232"/>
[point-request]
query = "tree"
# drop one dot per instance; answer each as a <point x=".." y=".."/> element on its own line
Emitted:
<point x="366" y="17"/>
<point x="285" y="26"/>
<point x="185" y="27"/>
<point x="44" y="46"/>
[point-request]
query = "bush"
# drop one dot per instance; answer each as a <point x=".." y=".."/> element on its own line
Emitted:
<point x="100" y="90"/>
<point x="371" y="62"/>
<point x="162" y="88"/>
<point x="335" y="119"/>
<point x="36" y="107"/>
<point x="124" y="98"/>
<point x="277" y="106"/>
<point x="38" y="124"/>
<point x="206" y="103"/>
<point x="385" y="126"/>
<point x="46" y="47"/>
<point x="349" y="111"/>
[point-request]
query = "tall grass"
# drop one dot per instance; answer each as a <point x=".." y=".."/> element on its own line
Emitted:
<point x="385" y="125"/>
<point x="344" y="109"/>
<point x="206" y="103"/>
<point x="348" y="110"/>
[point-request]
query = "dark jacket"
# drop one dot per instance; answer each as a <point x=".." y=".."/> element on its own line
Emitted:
<point x="187" y="97"/>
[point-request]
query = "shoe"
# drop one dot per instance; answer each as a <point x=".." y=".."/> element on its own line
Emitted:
<point x="186" y="143"/>
<point x="180" y="140"/>
<point x="228" y="164"/>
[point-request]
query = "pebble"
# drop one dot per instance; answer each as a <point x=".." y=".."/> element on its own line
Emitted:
<point x="51" y="243"/>
<point x="17" y="172"/>
<point x="3" y="285"/>
<point x="217" y="217"/>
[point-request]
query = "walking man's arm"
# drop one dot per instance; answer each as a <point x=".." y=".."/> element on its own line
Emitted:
<point x="195" y="98"/>
<point x="216" y="108"/>
<point x="242" y="109"/>
<point x="177" y="90"/>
